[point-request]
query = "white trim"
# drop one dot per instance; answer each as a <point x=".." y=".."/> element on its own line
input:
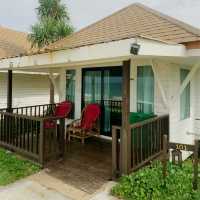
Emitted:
<point x="52" y="78"/>
<point x="113" y="51"/>
<point x="186" y="81"/>
<point x="158" y="82"/>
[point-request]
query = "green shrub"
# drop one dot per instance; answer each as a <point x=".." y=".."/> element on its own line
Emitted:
<point x="148" y="184"/>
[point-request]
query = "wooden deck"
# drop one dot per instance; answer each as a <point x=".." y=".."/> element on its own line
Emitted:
<point x="86" y="167"/>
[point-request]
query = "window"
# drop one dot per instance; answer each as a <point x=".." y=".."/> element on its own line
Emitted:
<point x="185" y="96"/>
<point x="145" y="89"/>
<point x="70" y="85"/>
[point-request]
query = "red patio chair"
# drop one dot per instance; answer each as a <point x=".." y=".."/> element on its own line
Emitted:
<point x="62" y="110"/>
<point x="88" y="125"/>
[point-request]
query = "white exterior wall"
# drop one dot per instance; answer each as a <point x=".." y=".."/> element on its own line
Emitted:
<point x="196" y="100"/>
<point x="28" y="89"/>
<point x="169" y="77"/>
<point x="181" y="131"/>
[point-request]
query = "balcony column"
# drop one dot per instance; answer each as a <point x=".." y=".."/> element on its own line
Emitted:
<point x="125" y="132"/>
<point x="9" y="91"/>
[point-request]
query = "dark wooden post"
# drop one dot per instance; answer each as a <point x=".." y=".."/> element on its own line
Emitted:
<point x="9" y="91"/>
<point x="51" y="87"/>
<point x="125" y="134"/>
<point x="62" y="137"/>
<point x="41" y="143"/>
<point x="114" y="152"/>
<point x="195" y="176"/>
<point x="165" y="155"/>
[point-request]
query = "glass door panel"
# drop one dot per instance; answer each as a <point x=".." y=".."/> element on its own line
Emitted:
<point x="104" y="86"/>
<point x="112" y="97"/>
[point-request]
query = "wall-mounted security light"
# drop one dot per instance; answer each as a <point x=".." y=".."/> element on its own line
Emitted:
<point x="135" y="47"/>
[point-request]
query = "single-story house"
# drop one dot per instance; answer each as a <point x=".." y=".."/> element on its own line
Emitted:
<point x="136" y="60"/>
<point x="28" y="88"/>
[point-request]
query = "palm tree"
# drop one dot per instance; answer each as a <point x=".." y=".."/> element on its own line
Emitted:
<point x="54" y="23"/>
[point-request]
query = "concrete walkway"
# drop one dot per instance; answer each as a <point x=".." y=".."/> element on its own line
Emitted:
<point x="29" y="190"/>
<point x="104" y="193"/>
<point x="42" y="186"/>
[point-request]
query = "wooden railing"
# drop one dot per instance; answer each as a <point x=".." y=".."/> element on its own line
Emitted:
<point x="23" y="131"/>
<point x="147" y="140"/>
<point x="146" y="143"/>
<point x="35" y="111"/>
<point x="21" y="134"/>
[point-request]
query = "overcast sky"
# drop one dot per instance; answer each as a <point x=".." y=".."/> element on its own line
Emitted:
<point x="20" y="14"/>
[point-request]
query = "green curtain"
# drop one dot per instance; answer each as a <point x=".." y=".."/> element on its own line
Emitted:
<point x="70" y="85"/>
<point x="107" y="97"/>
<point x="145" y="89"/>
<point x="92" y="87"/>
<point x="185" y="96"/>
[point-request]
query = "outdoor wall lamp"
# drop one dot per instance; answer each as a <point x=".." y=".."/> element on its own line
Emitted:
<point x="135" y="47"/>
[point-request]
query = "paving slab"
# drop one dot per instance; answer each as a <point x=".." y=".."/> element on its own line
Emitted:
<point x="104" y="192"/>
<point x="29" y="190"/>
<point x="42" y="186"/>
<point x="48" y="181"/>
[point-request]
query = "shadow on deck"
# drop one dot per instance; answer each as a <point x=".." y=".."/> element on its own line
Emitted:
<point x="86" y="167"/>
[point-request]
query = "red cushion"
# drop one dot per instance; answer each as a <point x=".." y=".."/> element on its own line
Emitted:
<point x="63" y="109"/>
<point x="49" y="124"/>
<point x="90" y="116"/>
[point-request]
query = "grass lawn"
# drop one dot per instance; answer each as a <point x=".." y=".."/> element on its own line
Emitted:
<point x="13" y="167"/>
<point x="148" y="184"/>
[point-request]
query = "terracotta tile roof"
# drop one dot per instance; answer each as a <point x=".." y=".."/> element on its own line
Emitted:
<point x="134" y="20"/>
<point x="13" y="43"/>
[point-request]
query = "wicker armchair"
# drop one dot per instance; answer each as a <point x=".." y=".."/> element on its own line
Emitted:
<point x="88" y="125"/>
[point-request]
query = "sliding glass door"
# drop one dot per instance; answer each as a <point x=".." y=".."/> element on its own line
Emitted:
<point x="104" y="86"/>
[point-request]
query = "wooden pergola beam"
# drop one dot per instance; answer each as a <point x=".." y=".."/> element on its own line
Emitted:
<point x="9" y="91"/>
<point x="125" y="132"/>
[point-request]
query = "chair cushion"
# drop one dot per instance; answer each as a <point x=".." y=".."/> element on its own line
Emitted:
<point x="90" y="116"/>
<point x="63" y="109"/>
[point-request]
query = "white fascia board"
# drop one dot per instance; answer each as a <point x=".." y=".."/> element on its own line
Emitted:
<point x="100" y="52"/>
<point x="25" y="72"/>
<point x="193" y="52"/>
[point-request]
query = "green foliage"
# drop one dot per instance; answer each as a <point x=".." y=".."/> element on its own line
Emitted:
<point x="54" y="23"/>
<point x="148" y="184"/>
<point x="52" y="9"/>
<point x="13" y="168"/>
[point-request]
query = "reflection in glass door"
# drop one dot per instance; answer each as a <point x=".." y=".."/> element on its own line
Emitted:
<point x="104" y="86"/>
